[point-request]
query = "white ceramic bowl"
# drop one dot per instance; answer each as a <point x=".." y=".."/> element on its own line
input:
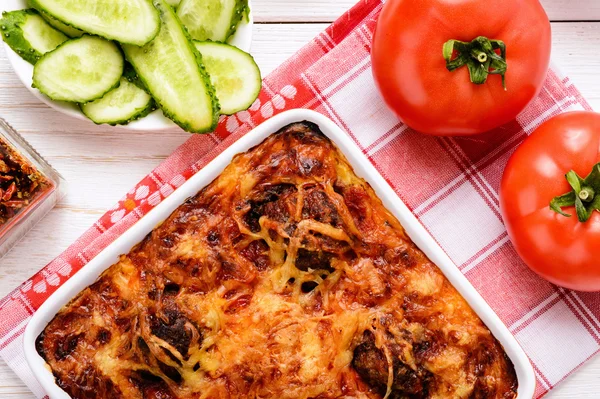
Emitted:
<point x="363" y="168"/>
<point x="155" y="121"/>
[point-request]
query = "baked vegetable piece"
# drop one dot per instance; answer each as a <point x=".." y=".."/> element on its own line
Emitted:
<point x="79" y="70"/>
<point x="284" y="278"/>
<point x="29" y="35"/>
<point x="172" y="70"/>
<point x="233" y="73"/>
<point x="215" y="20"/>
<point x="126" y="21"/>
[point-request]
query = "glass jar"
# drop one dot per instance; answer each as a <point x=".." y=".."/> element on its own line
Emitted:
<point x="29" y="187"/>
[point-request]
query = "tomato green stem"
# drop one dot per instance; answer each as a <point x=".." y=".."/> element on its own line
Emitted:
<point x="587" y="194"/>
<point x="480" y="56"/>
<point x="582" y="196"/>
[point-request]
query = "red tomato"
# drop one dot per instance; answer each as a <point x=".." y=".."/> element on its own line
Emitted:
<point x="410" y="69"/>
<point x="563" y="250"/>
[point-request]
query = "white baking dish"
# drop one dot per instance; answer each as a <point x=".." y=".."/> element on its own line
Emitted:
<point x="88" y="274"/>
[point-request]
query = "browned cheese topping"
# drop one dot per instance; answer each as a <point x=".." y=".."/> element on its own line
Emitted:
<point x="284" y="278"/>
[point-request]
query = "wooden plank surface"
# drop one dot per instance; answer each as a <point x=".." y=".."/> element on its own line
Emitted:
<point x="101" y="163"/>
<point x="328" y="10"/>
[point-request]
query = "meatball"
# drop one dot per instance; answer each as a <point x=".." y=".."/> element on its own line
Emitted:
<point x="371" y="363"/>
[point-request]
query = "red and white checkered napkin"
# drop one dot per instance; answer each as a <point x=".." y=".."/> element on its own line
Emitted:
<point x="451" y="184"/>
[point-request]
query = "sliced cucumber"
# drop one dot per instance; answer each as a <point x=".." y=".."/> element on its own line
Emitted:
<point x="120" y="106"/>
<point x="173" y="3"/>
<point x="126" y="21"/>
<point x="61" y="26"/>
<point x="79" y="70"/>
<point x="132" y="77"/>
<point x="234" y="74"/>
<point x="29" y="35"/>
<point x="214" y="20"/>
<point x="172" y="70"/>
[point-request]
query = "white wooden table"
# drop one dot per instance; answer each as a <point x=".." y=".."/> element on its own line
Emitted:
<point x="102" y="163"/>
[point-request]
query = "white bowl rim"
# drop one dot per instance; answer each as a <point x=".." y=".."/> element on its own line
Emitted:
<point x="154" y="121"/>
<point x="362" y="166"/>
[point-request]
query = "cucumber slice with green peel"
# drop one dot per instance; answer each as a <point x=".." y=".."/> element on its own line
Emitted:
<point x="171" y="68"/>
<point x="234" y="74"/>
<point x="61" y="26"/>
<point x="120" y="106"/>
<point x="215" y="20"/>
<point x="58" y="24"/>
<point x="29" y="35"/>
<point x="126" y="21"/>
<point x="79" y="70"/>
<point x="132" y="77"/>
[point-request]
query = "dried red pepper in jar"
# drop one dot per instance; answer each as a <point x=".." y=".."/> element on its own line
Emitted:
<point x="19" y="182"/>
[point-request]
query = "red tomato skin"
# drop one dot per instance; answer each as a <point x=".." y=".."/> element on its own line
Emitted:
<point x="561" y="249"/>
<point x="410" y="71"/>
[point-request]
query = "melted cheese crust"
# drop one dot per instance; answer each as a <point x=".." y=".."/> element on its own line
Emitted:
<point x="264" y="285"/>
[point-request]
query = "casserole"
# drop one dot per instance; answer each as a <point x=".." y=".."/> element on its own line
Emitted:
<point x="362" y="168"/>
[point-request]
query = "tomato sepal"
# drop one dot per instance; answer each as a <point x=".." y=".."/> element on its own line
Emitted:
<point x="479" y="56"/>
<point x="563" y="201"/>
<point x="583" y="196"/>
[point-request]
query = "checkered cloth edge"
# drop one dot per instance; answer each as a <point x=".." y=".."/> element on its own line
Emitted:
<point x="451" y="184"/>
